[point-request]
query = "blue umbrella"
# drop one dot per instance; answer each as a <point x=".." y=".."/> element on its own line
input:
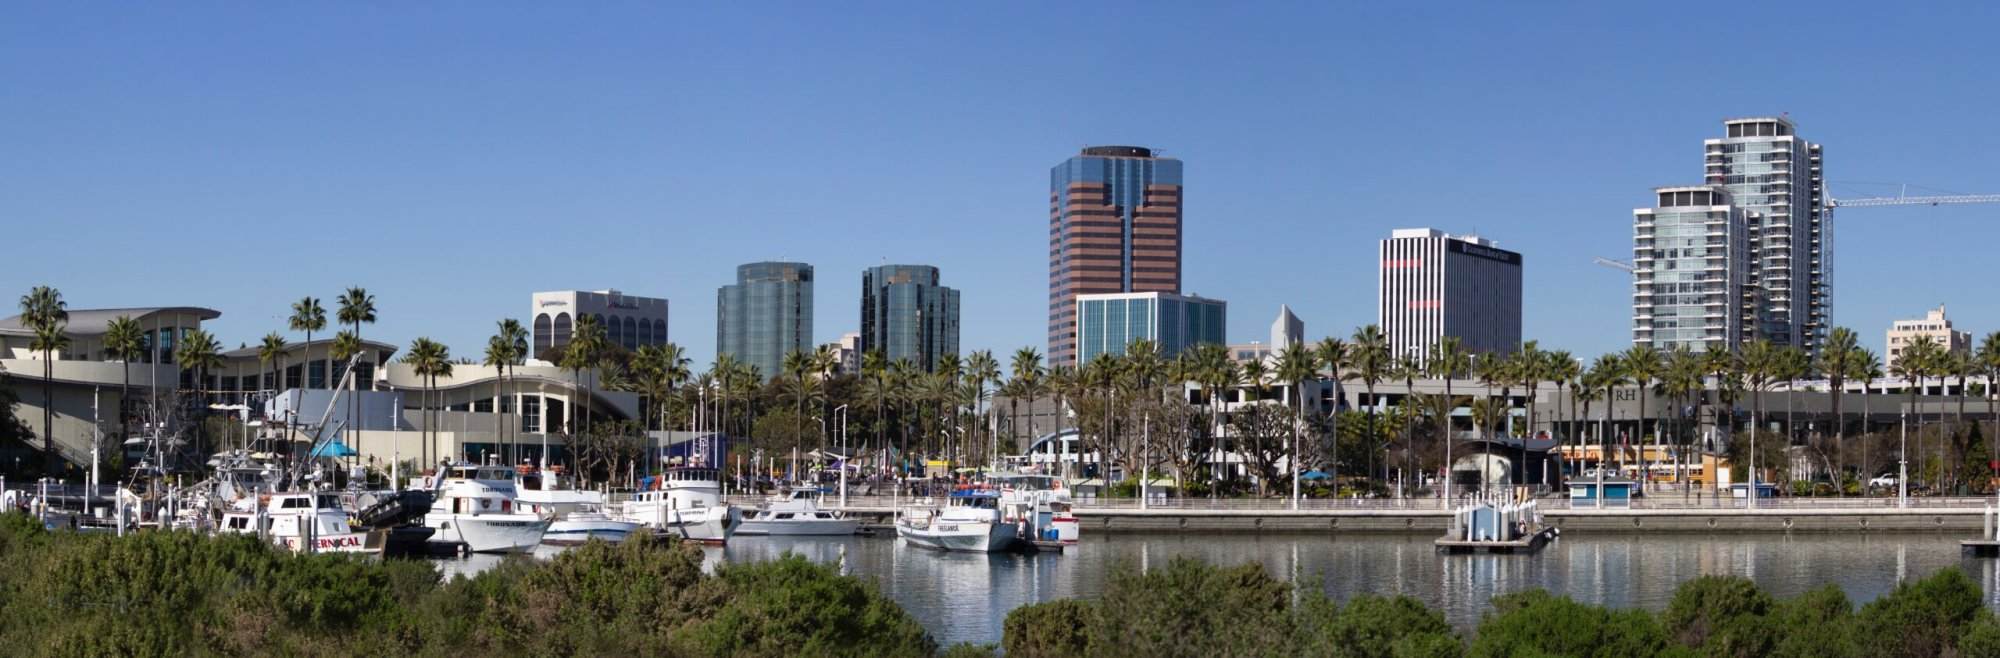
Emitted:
<point x="1314" y="475"/>
<point x="333" y="449"/>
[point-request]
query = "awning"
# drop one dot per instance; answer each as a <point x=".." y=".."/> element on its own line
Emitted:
<point x="333" y="449"/>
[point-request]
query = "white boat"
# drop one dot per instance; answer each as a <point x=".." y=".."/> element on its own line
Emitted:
<point x="685" y="502"/>
<point x="1046" y="503"/>
<point x="971" y="520"/>
<point x="306" y="523"/>
<point x="579" y="514"/>
<point x="797" y="514"/>
<point x="482" y="518"/>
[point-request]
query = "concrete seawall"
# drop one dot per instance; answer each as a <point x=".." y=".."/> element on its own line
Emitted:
<point x="1953" y="519"/>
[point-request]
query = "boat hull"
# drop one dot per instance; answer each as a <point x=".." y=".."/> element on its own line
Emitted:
<point x="366" y="543"/>
<point x="576" y="531"/>
<point x="963" y="537"/>
<point x="489" y="533"/>
<point x="800" y="527"/>
<point x="708" y="525"/>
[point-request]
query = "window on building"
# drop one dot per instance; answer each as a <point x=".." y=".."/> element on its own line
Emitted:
<point x="531" y="413"/>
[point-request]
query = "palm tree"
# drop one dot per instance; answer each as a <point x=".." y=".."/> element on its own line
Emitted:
<point x="875" y="387"/>
<point x="201" y="353"/>
<point x="1988" y="360"/>
<point x="124" y="340"/>
<point x="1960" y="365"/>
<point x="1912" y="364"/>
<point x="1027" y="371"/>
<point x="1761" y="364"/>
<point x="1492" y="371"/>
<point x="1563" y="369"/>
<point x="356" y="307"/>
<point x="1642" y="365"/>
<point x="1251" y="377"/>
<point x="798" y="365"/>
<point x="271" y="353"/>
<point x="1296" y="365"/>
<point x="1333" y="355"/>
<point x="1408" y="368"/>
<point x="515" y="336"/>
<point x="1371" y="364"/>
<point x="1836" y="361"/>
<point x="1448" y="360"/>
<point x="1529" y="365"/>
<point x="1681" y="380"/>
<point x="44" y="312"/>
<point x="1065" y="385"/>
<point x="428" y="359"/>
<point x="586" y="347"/>
<point x="1216" y="373"/>
<point x="499" y="355"/>
<point x="1608" y="373"/>
<point x="1867" y="369"/>
<point x="307" y="316"/>
<point x="982" y="369"/>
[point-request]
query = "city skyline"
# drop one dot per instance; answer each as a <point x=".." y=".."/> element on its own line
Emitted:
<point x="660" y="168"/>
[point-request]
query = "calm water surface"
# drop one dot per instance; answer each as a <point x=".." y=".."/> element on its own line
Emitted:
<point x="965" y="597"/>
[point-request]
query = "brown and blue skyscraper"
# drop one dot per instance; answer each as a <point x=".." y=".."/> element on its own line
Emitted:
<point x="1114" y="226"/>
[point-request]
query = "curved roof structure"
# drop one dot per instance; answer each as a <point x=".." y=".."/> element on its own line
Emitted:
<point x="92" y="322"/>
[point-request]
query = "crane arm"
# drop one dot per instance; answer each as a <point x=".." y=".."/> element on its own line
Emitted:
<point x="1951" y="199"/>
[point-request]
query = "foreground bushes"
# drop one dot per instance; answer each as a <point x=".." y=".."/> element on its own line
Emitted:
<point x="1192" y="609"/>
<point x="178" y="593"/>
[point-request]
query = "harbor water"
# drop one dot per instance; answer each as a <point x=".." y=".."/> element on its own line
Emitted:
<point x="963" y="597"/>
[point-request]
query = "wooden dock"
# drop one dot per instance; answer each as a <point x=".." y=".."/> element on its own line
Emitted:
<point x="1534" y="541"/>
<point x="1979" y="547"/>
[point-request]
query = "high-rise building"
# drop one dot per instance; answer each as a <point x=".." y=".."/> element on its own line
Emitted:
<point x="765" y="315"/>
<point x="1108" y="323"/>
<point x="1114" y="226"/>
<point x="907" y="314"/>
<point x="847" y="353"/>
<point x="1434" y="285"/>
<point x="630" y="321"/>
<point x="1690" y="283"/>
<point x="1935" y="325"/>
<point x="1776" y="178"/>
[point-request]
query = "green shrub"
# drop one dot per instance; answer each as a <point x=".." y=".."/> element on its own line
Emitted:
<point x="1725" y="615"/>
<point x="1536" y="623"/>
<point x="1056" y="629"/>
<point x="1192" y="608"/>
<point x="1369" y="626"/>
<point x="1924" y="618"/>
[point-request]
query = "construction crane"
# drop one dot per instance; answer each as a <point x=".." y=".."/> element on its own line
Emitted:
<point x="1902" y="198"/>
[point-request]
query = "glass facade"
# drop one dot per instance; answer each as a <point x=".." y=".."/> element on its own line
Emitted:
<point x="907" y="315"/>
<point x="765" y="315"/>
<point x="1107" y="324"/>
<point x="1692" y="269"/>
<point x="1774" y="178"/>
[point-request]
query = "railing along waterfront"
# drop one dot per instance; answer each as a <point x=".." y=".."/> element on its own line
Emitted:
<point x="1658" y="500"/>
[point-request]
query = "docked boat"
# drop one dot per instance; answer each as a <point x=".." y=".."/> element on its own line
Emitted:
<point x="478" y="517"/>
<point x="1045" y="505"/>
<point x="684" y="502"/>
<point x="306" y="523"/>
<point x="578" y="515"/>
<point x="797" y="514"/>
<point x="969" y="520"/>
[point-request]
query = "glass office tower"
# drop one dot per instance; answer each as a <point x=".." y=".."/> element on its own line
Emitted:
<point x="907" y="314"/>
<point x="765" y="315"/>
<point x="1108" y="323"/>
<point x="1114" y="226"/>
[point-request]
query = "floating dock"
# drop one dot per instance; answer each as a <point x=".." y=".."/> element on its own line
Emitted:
<point x="1533" y="541"/>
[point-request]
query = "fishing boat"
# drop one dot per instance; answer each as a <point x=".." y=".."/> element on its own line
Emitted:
<point x="968" y="520"/>
<point x="797" y="513"/>
<point x="684" y="502"/>
<point x="579" y="514"/>
<point x="1045" y="505"/>
<point x="306" y="523"/>
<point x="478" y="517"/>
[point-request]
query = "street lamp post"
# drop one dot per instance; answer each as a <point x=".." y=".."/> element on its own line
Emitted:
<point x="1903" y="463"/>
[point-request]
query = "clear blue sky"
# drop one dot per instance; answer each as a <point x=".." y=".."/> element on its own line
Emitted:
<point x="453" y="158"/>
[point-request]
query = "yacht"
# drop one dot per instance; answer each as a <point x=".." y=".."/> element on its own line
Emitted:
<point x="579" y="515"/>
<point x="305" y="523"/>
<point x="480" y="516"/>
<point x="685" y="502"/>
<point x="970" y="520"/>
<point x="797" y="513"/>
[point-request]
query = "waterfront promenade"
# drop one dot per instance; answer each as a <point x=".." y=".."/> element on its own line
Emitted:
<point x="1659" y="512"/>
